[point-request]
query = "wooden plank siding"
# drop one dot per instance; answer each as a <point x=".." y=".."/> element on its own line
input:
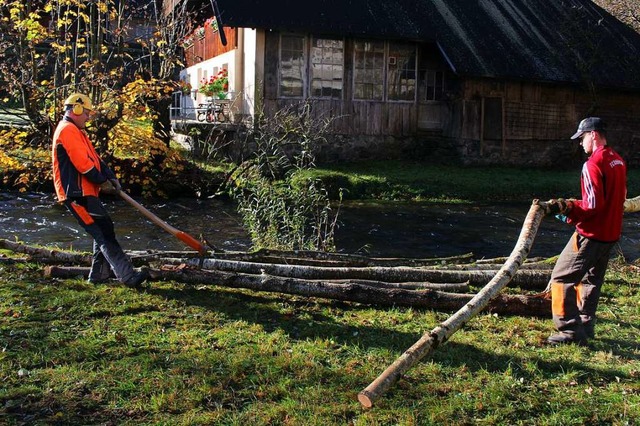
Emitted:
<point x="486" y="120"/>
<point x="543" y="111"/>
<point x="210" y="46"/>
<point x="352" y="117"/>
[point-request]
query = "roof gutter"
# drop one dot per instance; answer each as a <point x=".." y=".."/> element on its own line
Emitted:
<point x="446" y="57"/>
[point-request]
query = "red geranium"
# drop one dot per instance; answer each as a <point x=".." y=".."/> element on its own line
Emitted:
<point x="216" y="85"/>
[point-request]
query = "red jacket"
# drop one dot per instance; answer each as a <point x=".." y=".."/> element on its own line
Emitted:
<point x="598" y="215"/>
<point x="78" y="171"/>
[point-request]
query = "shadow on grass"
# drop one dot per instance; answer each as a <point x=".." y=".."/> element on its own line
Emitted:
<point x="303" y="320"/>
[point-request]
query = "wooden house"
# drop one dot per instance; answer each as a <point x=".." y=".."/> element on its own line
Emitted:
<point x="482" y="82"/>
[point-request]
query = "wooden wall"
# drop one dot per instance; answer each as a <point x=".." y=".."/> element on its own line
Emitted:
<point x="537" y="121"/>
<point x="210" y="46"/>
<point x="351" y="117"/>
<point x="539" y="111"/>
<point x="486" y="121"/>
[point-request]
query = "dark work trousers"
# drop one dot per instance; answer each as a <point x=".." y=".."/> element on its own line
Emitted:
<point x="107" y="253"/>
<point x="576" y="281"/>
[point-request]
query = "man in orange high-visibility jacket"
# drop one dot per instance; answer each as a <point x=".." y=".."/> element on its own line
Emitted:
<point x="78" y="176"/>
<point x="578" y="275"/>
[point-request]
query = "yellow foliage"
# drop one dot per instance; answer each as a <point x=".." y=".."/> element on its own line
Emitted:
<point x="21" y="165"/>
<point x="7" y="163"/>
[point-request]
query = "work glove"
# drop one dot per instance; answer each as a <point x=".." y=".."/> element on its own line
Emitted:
<point x="110" y="187"/>
<point x="632" y="205"/>
<point x="559" y="206"/>
<point x="116" y="184"/>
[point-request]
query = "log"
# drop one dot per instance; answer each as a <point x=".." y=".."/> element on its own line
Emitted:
<point x="348" y="291"/>
<point x="12" y="260"/>
<point x="354" y="259"/>
<point x="453" y="287"/>
<point x="46" y="254"/>
<point x="439" y="335"/>
<point x="529" y="279"/>
<point x="309" y="258"/>
<point x="55" y="271"/>
<point x="83" y="271"/>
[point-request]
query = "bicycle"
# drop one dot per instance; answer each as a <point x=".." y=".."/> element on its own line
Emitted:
<point x="212" y="112"/>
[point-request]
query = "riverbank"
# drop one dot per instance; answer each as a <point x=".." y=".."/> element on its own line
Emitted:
<point x="406" y="180"/>
<point x="75" y="353"/>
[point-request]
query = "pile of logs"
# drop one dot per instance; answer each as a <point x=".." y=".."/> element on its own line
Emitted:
<point x="434" y="283"/>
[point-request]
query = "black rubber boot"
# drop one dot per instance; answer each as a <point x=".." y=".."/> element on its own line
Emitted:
<point x="138" y="278"/>
<point x="119" y="262"/>
<point x="568" y="337"/>
<point x="589" y="329"/>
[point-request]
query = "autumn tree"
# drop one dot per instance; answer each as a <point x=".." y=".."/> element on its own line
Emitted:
<point x="124" y="54"/>
<point x="627" y="11"/>
<point x="51" y="48"/>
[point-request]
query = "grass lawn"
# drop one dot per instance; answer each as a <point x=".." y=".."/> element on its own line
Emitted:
<point x="74" y="353"/>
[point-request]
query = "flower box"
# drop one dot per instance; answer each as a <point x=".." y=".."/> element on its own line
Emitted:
<point x="217" y="86"/>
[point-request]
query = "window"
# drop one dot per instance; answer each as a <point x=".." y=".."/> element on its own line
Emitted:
<point x="434" y="85"/>
<point x="327" y="68"/>
<point x="368" y="73"/>
<point x="401" y="72"/>
<point x="292" y="66"/>
<point x="373" y="73"/>
<point x="314" y="67"/>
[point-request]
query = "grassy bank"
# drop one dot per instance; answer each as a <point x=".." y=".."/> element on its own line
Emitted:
<point x="402" y="180"/>
<point x="74" y="353"/>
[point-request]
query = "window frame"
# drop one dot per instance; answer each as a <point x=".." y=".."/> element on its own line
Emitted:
<point x="303" y="69"/>
<point x="307" y="78"/>
<point x="355" y="82"/>
<point x="386" y="63"/>
<point x="413" y="51"/>
<point x="312" y="40"/>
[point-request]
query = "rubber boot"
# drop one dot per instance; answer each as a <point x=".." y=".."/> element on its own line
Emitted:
<point x="576" y="337"/>
<point x="590" y="328"/>
<point x="100" y="269"/>
<point x="119" y="262"/>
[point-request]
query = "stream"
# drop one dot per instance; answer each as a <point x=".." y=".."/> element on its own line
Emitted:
<point x="383" y="229"/>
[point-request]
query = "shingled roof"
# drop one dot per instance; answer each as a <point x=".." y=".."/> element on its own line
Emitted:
<point x="570" y="41"/>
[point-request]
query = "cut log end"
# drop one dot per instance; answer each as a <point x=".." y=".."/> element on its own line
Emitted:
<point x="365" y="400"/>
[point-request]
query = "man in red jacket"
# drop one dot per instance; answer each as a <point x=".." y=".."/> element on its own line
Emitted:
<point x="578" y="275"/>
<point x="78" y="176"/>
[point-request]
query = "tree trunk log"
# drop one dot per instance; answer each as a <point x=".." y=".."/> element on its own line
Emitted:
<point x="46" y="254"/>
<point x="352" y="291"/>
<point x="309" y="258"/>
<point x="439" y="335"/>
<point x="529" y="279"/>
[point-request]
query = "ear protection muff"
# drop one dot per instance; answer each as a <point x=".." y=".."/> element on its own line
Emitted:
<point x="78" y="109"/>
<point x="78" y="103"/>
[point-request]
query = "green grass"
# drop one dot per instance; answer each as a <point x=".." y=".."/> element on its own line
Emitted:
<point x="403" y="180"/>
<point x="74" y="353"/>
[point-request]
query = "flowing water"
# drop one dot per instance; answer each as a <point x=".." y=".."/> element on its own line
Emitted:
<point x="393" y="229"/>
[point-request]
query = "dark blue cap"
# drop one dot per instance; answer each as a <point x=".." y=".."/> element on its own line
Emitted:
<point x="589" y="124"/>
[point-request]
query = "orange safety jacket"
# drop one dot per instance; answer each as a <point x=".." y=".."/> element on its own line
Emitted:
<point x="78" y="171"/>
